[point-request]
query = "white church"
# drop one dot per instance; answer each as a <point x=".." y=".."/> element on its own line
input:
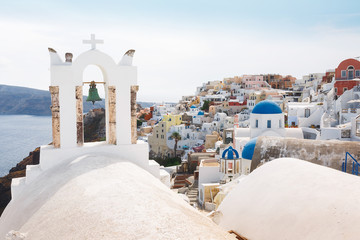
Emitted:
<point x="101" y="190"/>
<point x="266" y="119"/>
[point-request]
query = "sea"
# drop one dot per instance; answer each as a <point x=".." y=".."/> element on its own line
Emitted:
<point x="19" y="135"/>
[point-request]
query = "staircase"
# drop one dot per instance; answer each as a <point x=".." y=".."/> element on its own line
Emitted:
<point x="193" y="194"/>
<point x="180" y="180"/>
<point x="313" y="119"/>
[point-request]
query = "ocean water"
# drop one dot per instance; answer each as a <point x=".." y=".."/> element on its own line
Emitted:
<point x="19" y="135"/>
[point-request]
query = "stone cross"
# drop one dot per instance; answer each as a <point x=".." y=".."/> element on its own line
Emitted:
<point x="93" y="41"/>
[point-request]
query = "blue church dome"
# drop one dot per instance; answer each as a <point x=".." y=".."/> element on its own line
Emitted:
<point x="249" y="148"/>
<point x="193" y="106"/>
<point x="229" y="153"/>
<point x="266" y="107"/>
<point x="201" y="113"/>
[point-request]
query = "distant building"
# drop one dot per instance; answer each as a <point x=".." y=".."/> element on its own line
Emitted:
<point x="347" y="76"/>
<point x="254" y="98"/>
<point x="279" y="82"/>
<point x="304" y="114"/>
<point x="266" y="119"/>
<point x="329" y="76"/>
<point x="158" y="139"/>
<point x="254" y="82"/>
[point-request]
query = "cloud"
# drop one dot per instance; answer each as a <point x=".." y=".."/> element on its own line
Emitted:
<point x="173" y="61"/>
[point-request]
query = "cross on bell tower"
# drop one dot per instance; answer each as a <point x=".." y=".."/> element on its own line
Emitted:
<point x="93" y="41"/>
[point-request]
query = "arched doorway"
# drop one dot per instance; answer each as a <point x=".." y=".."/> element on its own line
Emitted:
<point x="350" y="72"/>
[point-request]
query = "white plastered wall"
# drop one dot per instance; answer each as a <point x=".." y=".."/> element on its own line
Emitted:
<point x="262" y="124"/>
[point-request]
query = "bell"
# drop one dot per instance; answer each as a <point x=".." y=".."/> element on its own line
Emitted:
<point x="93" y="93"/>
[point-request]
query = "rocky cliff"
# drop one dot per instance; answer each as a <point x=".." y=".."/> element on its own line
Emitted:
<point x="94" y="125"/>
<point x="16" y="172"/>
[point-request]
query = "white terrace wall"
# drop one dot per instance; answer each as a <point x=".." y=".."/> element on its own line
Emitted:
<point x="329" y="153"/>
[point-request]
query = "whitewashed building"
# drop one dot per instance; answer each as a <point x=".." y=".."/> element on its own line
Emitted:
<point x="304" y="114"/>
<point x="266" y="119"/>
<point x="190" y="137"/>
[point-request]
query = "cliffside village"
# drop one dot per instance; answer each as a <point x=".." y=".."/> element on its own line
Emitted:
<point x="217" y="131"/>
<point x="220" y="136"/>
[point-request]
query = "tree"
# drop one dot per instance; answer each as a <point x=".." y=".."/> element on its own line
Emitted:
<point x="206" y="105"/>
<point x="176" y="136"/>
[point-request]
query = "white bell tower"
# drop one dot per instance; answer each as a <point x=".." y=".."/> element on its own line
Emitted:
<point x="67" y="101"/>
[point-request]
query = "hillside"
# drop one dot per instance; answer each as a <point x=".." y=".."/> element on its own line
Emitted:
<point x="28" y="101"/>
<point x="21" y="100"/>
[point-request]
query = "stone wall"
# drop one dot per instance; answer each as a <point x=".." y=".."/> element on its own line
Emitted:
<point x="330" y="153"/>
<point x="79" y="115"/>
<point x="55" y="111"/>
<point x="112" y="114"/>
<point x="134" y="89"/>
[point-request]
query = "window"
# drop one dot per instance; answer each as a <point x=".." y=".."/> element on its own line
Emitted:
<point x="307" y="112"/>
<point x="280" y="123"/>
<point x="357" y="73"/>
<point x="343" y="73"/>
<point x="336" y="90"/>
<point x="345" y="89"/>
<point x="257" y="123"/>
<point x="157" y="135"/>
<point x="268" y="123"/>
<point x="351" y="74"/>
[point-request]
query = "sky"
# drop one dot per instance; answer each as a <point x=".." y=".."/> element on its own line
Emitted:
<point x="180" y="44"/>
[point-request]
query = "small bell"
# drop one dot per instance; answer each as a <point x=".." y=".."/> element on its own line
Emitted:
<point x="93" y="93"/>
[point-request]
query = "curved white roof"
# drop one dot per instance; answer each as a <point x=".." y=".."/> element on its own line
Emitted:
<point x="293" y="199"/>
<point x="98" y="197"/>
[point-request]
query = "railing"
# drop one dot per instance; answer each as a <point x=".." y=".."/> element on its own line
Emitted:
<point x="355" y="165"/>
<point x="349" y="110"/>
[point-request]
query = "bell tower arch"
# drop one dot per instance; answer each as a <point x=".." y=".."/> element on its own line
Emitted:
<point x="67" y="101"/>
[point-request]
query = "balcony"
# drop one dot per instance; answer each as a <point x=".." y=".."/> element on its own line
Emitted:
<point x="350" y="110"/>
